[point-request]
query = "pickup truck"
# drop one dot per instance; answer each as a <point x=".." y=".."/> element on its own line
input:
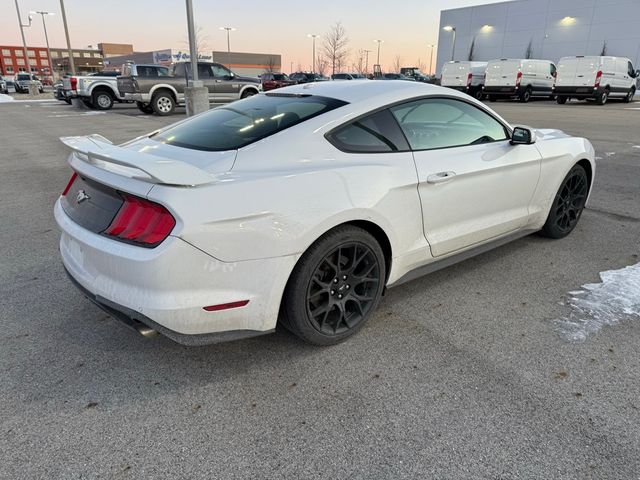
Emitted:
<point x="97" y="90"/>
<point x="158" y="90"/>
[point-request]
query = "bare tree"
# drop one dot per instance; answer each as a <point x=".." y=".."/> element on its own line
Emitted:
<point x="270" y="67"/>
<point x="397" y="64"/>
<point x="603" y="53"/>
<point x="202" y="39"/>
<point x="528" y="53"/>
<point x="359" y="63"/>
<point x="321" y="65"/>
<point x="472" y="49"/>
<point x="420" y="65"/>
<point x="335" y="47"/>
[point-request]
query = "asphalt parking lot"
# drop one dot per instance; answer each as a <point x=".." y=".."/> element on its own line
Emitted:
<point x="460" y="374"/>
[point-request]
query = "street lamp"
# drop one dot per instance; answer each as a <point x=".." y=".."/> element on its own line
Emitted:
<point x="229" y="30"/>
<point x="431" y="59"/>
<point x="46" y="37"/>
<point x="313" y="36"/>
<point x="24" y="42"/>
<point x="450" y="28"/>
<point x="378" y="42"/>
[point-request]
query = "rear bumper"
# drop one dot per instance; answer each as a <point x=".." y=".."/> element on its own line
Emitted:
<point x="498" y="91"/>
<point x="167" y="287"/>
<point x="578" y="92"/>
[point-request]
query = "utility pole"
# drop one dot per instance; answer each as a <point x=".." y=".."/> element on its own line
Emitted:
<point x="24" y="42"/>
<point x="313" y="36"/>
<point x="72" y="64"/>
<point x="366" y="62"/>
<point x="431" y="60"/>
<point x="46" y="37"/>
<point x="196" y="94"/>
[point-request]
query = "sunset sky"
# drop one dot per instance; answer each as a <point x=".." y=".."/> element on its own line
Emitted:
<point x="406" y="27"/>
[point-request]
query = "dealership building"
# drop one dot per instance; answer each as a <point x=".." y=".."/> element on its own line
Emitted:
<point x="542" y="29"/>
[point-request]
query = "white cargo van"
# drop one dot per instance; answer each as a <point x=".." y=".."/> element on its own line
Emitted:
<point x="519" y="78"/>
<point x="595" y="78"/>
<point x="464" y="76"/>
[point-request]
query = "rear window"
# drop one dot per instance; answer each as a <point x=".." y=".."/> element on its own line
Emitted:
<point x="246" y="121"/>
<point x="24" y="77"/>
<point x="151" y="71"/>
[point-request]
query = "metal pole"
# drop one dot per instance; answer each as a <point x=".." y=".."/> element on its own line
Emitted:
<point x="453" y="50"/>
<point x="366" y="61"/>
<point x="72" y="64"/>
<point x="24" y="42"/>
<point x="314" y="55"/>
<point x="431" y="61"/>
<point x="378" y="60"/>
<point x="228" y="49"/>
<point x="46" y="37"/>
<point x="192" y="42"/>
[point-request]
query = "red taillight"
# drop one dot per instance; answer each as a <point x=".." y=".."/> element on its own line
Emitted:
<point x="74" y="83"/>
<point x="141" y="221"/>
<point x="518" y="79"/>
<point x="68" y="187"/>
<point x="226" y="306"/>
<point x="598" y="78"/>
<point x="469" y="78"/>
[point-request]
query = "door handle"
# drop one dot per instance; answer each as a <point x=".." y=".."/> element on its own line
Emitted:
<point x="441" y="177"/>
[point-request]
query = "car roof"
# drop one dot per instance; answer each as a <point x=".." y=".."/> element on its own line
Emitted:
<point x="364" y="90"/>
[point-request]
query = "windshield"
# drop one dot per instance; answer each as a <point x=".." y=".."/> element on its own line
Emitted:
<point x="246" y="121"/>
<point x="24" y="76"/>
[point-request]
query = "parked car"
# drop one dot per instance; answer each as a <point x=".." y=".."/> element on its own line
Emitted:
<point x="3" y="86"/>
<point x="519" y="78"/>
<point x="416" y="74"/>
<point x="465" y="77"/>
<point x="596" y="78"/>
<point x="59" y="91"/>
<point x="306" y="77"/>
<point x="96" y="90"/>
<point x="303" y="205"/>
<point x="159" y="89"/>
<point x="21" y="82"/>
<point x="395" y="76"/>
<point x="271" y="81"/>
<point x="348" y="76"/>
<point x="9" y="85"/>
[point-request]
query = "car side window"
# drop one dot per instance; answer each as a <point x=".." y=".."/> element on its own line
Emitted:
<point x="376" y="133"/>
<point x="553" y="69"/>
<point x="220" y="71"/>
<point x="444" y="122"/>
<point x="204" y="71"/>
<point x="632" y="72"/>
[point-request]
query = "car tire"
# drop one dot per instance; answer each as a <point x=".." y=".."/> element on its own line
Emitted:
<point x="102" y="100"/>
<point x="568" y="204"/>
<point x="493" y="98"/>
<point x="603" y="97"/>
<point x="248" y="93"/>
<point x="144" y="107"/>
<point x="561" y="100"/>
<point x="630" y="95"/>
<point x="67" y="101"/>
<point x="525" y="96"/>
<point x="88" y="103"/>
<point x="335" y="286"/>
<point x="478" y="95"/>
<point x="163" y="103"/>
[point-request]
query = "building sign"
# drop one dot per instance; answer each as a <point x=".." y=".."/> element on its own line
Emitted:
<point x="172" y="56"/>
<point x="162" y="56"/>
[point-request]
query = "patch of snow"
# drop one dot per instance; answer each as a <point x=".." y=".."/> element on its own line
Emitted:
<point x="596" y="305"/>
<point x="609" y="154"/>
<point x="5" y="98"/>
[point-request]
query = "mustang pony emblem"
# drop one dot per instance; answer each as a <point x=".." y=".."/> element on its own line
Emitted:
<point x="82" y="196"/>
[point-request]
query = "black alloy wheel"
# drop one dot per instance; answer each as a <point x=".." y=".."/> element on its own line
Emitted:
<point x="568" y="204"/>
<point x="335" y="287"/>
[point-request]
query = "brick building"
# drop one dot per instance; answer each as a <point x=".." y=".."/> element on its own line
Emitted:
<point x="12" y="61"/>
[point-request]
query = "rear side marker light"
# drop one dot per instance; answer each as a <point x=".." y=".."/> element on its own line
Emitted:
<point x="226" y="306"/>
<point x="598" y="78"/>
<point x="68" y="187"/>
<point x="141" y="221"/>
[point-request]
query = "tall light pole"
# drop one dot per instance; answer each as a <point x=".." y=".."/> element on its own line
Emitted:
<point x="366" y="61"/>
<point x="72" y="64"/>
<point x="24" y="42"/>
<point x="452" y="29"/>
<point x="229" y="30"/>
<point x="46" y="37"/>
<point x="379" y="42"/>
<point x="313" y="36"/>
<point x="431" y="59"/>
<point x="196" y="95"/>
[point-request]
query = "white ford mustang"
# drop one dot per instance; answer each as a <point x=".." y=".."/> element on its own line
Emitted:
<point x="301" y="205"/>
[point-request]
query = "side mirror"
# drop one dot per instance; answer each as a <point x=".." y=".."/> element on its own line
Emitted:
<point x="523" y="136"/>
<point x="637" y="73"/>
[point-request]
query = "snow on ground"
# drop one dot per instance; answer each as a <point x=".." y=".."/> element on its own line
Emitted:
<point x="5" y="98"/>
<point x="596" y="305"/>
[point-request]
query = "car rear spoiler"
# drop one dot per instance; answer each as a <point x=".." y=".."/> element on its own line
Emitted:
<point x="95" y="149"/>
